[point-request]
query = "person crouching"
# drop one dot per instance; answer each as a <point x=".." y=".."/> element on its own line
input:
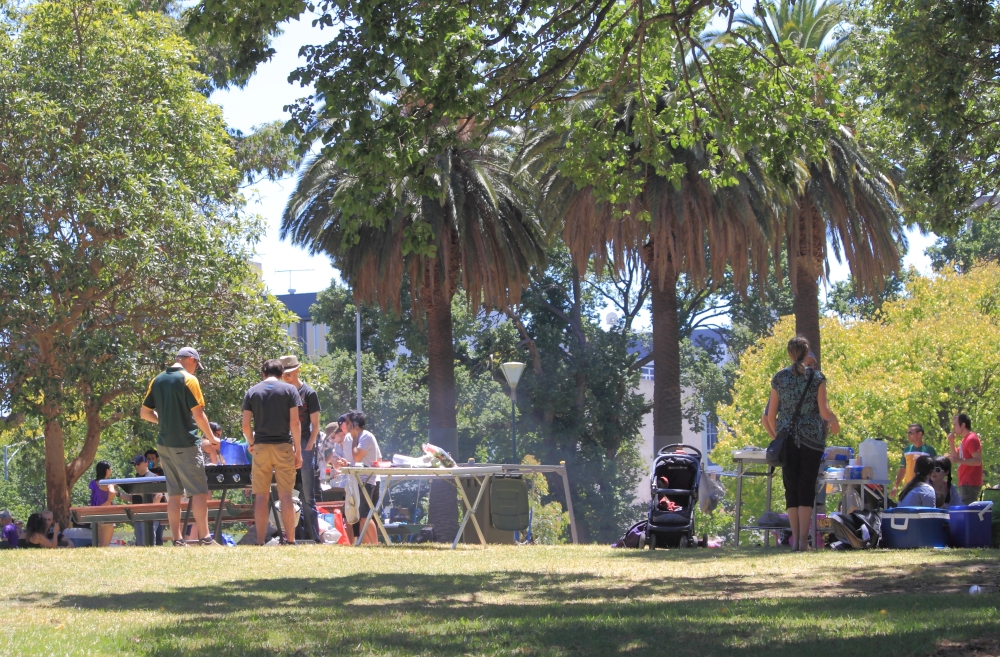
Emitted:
<point x="275" y="440"/>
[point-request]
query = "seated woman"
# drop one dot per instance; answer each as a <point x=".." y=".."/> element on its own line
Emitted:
<point x="35" y="533"/>
<point x="103" y="496"/>
<point x="918" y="492"/>
<point x="946" y="492"/>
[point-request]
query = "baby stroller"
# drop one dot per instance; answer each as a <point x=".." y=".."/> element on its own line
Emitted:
<point x="674" y="487"/>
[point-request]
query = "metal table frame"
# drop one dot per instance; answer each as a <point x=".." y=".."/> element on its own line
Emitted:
<point x="742" y="464"/>
<point x="481" y="473"/>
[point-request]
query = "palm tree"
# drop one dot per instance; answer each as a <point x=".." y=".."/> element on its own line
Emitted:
<point x="808" y="24"/>
<point x="842" y="198"/>
<point x="693" y="228"/>
<point x="481" y="238"/>
<point x="846" y="203"/>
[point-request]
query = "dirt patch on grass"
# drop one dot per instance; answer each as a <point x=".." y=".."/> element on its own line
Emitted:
<point x="988" y="646"/>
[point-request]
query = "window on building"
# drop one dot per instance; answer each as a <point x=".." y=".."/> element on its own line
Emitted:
<point x="711" y="433"/>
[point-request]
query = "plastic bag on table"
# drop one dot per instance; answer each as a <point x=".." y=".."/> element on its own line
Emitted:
<point x="439" y="457"/>
<point x="412" y="461"/>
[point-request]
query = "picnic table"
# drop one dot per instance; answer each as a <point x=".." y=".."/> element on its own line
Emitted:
<point x="222" y="478"/>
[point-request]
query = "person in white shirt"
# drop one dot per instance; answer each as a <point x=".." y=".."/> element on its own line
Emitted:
<point x="364" y="452"/>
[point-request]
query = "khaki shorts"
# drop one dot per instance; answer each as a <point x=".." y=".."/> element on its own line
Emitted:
<point x="184" y="468"/>
<point x="277" y="458"/>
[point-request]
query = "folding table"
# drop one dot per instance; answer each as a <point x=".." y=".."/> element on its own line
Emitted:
<point x="481" y="473"/>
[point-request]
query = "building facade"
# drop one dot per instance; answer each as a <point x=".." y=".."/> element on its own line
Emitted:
<point x="311" y="335"/>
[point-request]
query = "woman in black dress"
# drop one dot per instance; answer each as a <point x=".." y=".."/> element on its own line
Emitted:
<point x="807" y="440"/>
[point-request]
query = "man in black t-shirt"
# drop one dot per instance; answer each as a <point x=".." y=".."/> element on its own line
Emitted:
<point x="272" y="407"/>
<point x="309" y="421"/>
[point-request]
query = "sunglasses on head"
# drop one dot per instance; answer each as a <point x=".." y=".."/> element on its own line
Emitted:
<point x="938" y="469"/>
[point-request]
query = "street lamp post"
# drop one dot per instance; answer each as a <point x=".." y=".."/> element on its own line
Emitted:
<point x="512" y="372"/>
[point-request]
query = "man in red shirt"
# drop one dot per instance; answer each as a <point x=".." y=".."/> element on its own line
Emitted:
<point x="969" y="457"/>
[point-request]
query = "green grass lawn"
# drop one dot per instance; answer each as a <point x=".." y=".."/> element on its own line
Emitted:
<point x="498" y="601"/>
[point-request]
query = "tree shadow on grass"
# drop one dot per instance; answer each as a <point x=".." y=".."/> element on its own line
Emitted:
<point x="532" y="614"/>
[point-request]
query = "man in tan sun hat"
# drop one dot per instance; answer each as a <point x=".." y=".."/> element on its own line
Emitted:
<point x="309" y="421"/>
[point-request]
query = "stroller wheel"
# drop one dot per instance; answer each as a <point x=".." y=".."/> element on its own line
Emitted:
<point x="684" y="542"/>
<point x="652" y="541"/>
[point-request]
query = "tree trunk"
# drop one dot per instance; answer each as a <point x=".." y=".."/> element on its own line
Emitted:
<point x="442" y="400"/>
<point x="667" y="418"/>
<point x="56" y="484"/>
<point x="806" y="291"/>
<point x="806" y="256"/>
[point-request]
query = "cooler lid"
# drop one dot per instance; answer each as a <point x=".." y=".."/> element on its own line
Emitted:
<point x="918" y="512"/>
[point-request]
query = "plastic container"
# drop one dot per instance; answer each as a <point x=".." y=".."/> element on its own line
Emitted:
<point x="835" y="453"/>
<point x="971" y="526"/>
<point x="875" y="455"/>
<point x="234" y="453"/>
<point x="853" y="472"/>
<point x="79" y="536"/>
<point x="915" y="527"/>
<point x="835" y="473"/>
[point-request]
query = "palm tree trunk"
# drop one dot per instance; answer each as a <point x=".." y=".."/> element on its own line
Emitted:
<point x="806" y="292"/>
<point x="443" y="424"/>
<point x="807" y="257"/>
<point x="667" y="418"/>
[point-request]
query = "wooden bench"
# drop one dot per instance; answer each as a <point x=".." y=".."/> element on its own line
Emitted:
<point x="129" y="513"/>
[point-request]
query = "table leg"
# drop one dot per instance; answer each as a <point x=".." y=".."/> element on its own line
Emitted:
<point x="271" y="495"/>
<point x="815" y="529"/>
<point x="218" y="519"/>
<point x="94" y="534"/>
<point x="373" y="509"/>
<point x="187" y="515"/>
<point x="767" y="501"/>
<point x="470" y="510"/>
<point x="569" y="505"/>
<point x="739" y="498"/>
<point x="148" y="536"/>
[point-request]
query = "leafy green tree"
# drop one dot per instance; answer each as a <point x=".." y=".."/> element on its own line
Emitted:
<point x="122" y="236"/>
<point x="847" y="302"/>
<point x="448" y="65"/>
<point x="927" y="72"/>
<point x="976" y="241"/>
<point x="383" y="332"/>
<point x="266" y="152"/>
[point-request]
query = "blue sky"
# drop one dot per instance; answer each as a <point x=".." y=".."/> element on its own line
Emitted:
<point x="263" y="99"/>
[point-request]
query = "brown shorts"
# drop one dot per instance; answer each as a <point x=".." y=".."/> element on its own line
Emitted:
<point x="277" y="458"/>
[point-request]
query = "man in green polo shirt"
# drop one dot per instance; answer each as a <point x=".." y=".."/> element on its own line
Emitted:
<point x="174" y="402"/>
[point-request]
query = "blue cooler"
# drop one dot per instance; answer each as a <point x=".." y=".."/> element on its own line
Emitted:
<point x="971" y="526"/>
<point x="915" y="527"/>
<point x="234" y="453"/>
